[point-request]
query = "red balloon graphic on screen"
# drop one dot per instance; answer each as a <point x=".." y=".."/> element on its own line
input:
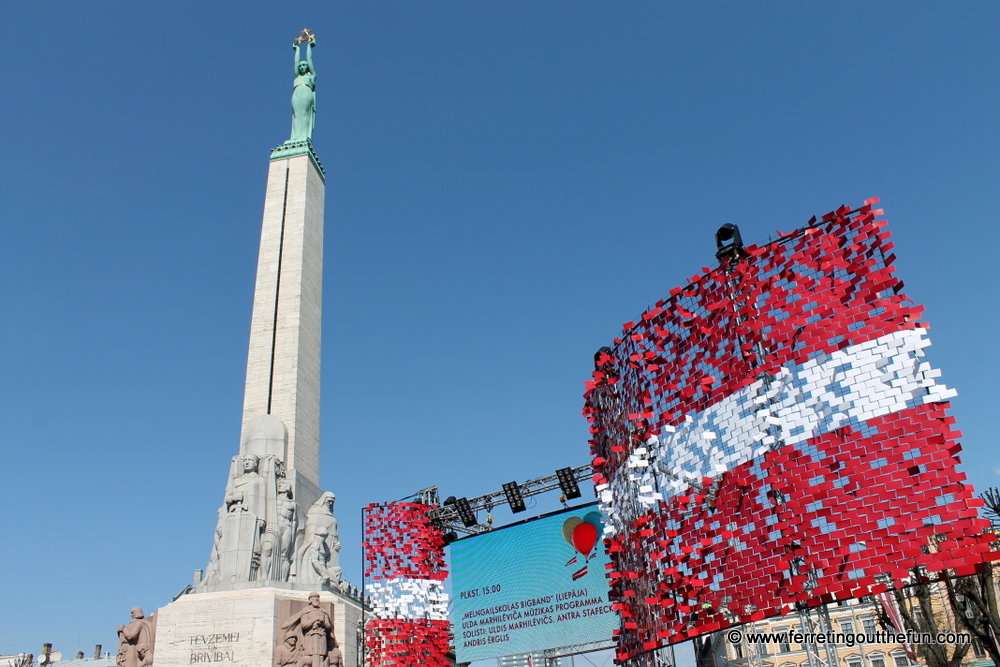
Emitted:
<point x="584" y="538"/>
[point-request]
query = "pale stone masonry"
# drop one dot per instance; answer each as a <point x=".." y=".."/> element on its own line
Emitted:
<point x="240" y="628"/>
<point x="283" y="366"/>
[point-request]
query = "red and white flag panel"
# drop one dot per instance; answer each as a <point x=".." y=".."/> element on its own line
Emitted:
<point x="772" y="434"/>
<point x="404" y="579"/>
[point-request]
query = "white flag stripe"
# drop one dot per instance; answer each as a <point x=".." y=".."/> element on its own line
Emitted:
<point x="409" y="599"/>
<point x="802" y="401"/>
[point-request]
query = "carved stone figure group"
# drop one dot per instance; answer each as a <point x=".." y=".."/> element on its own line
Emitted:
<point x="308" y="639"/>
<point x="256" y="528"/>
<point x="259" y="536"/>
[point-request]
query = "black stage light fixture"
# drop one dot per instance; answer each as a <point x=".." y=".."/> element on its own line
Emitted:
<point x="728" y="240"/>
<point x="514" y="497"/>
<point x="465" y="512"/>
<point x="568" y="483"/>
<point x="604" y="362"/>
<point x="450" y="537"/>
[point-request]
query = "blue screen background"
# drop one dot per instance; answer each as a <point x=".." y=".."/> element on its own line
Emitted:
<point x="528" y="563"/>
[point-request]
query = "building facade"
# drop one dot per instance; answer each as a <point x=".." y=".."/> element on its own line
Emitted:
<point x="847" y="617"/>
<point x="534" y="660"/>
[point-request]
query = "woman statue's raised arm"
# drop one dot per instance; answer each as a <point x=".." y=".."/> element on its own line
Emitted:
<point x="309" y="55"/>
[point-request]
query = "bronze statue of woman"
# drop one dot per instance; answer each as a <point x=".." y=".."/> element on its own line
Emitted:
<point x="304" y="93"/>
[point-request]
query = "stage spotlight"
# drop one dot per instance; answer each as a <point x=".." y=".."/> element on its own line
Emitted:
<point x="465" y="512"/>
<point x="450" y="537"/>
<point x="567" y="483"/>
<point x="728" y="240"/>
<point x="514" y="497"/>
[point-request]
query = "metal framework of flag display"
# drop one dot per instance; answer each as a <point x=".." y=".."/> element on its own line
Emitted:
<point x="770" y="438"/>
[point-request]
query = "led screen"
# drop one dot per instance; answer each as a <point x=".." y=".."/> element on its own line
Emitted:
<point x="531" y="586"/>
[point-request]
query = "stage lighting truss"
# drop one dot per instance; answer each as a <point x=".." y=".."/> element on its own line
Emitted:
<point x="451" y="518"/>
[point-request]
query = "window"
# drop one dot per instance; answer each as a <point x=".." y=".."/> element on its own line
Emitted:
<point x="843" y="603"/>
<point x="977" y="648"/>
<point x="877" y="660"/>
<point x="854" y="661"/>
<point x="762" y="648"/>
<point x="798" y="629"/>
<point x="847" y="627"/>
<point x="783" y="646"/>
<point x="738" y="650"/>
<point x="900" y="659"/>
<point x="868" y="625"/>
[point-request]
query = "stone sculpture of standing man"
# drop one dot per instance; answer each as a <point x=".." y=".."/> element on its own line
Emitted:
<point x="316" y="628"/>
<point x="304" y="90"/>
<point x="246" y="492"/>
<point x="135" y="642"/>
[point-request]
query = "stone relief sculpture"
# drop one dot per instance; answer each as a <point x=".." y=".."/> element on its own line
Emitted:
<point x="288" y="654"/>
<point x="135" y="641"/>
<point x="279" y="536"/>
<point x="256" y="523"/>
<point x="212" y="571"/>
<point x="316" y="645"/>
<point x="245" y="492"/>
<point x="319" y="559"/>
<point x="288" y="525"/>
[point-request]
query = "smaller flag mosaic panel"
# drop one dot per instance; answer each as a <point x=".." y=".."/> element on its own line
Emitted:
<point x="404" y="578"/>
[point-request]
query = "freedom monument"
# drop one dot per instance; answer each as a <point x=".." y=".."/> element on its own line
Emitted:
<point x="273" y="591"/>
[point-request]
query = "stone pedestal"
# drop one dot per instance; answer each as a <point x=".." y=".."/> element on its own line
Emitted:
<point x="242" y="628"/>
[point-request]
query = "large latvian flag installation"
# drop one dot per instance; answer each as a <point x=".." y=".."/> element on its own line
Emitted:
<point x="771" y="434"/>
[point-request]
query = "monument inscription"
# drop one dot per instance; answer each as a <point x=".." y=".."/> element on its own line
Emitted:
<point x="217" y="647"/>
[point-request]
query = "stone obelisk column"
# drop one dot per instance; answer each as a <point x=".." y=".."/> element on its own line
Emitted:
<point x="274" y="559"/>
<point x="283" y="366"/>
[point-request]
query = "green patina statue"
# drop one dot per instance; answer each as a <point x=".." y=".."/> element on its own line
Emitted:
<point x="303" y="105"/>
<point x="304" y="90"/>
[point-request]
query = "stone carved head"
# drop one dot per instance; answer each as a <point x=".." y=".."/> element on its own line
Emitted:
<point x="328" y="500"/>
<point x="137" y="612"/>
<point x="250" y="463"/>
<point x="314" y="599"/>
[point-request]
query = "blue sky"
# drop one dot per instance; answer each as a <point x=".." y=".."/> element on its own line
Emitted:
<point x="507" y="184"/>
